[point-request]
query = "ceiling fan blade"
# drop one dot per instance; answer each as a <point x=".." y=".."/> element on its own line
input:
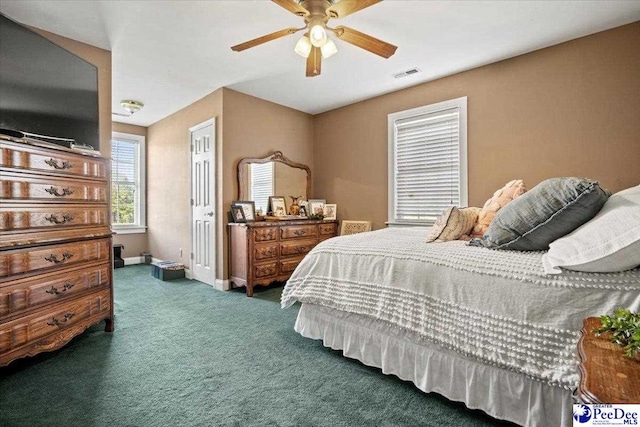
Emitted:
<point x="255" y="42"/>
<point x="314" y="62"/>
<point x="292" y="6"/>
<point x="365" y="41"/>
<point x="347" y="7"/>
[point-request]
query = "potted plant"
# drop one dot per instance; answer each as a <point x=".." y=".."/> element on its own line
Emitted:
<point x="624" y="328"/>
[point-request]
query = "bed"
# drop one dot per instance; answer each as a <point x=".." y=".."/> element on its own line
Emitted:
<point x="480" y="326"/>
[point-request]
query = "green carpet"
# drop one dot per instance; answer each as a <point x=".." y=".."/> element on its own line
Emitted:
<point x="184" y="354"/>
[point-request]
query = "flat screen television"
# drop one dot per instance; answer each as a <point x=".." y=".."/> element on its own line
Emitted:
<point x="45" y="89"/>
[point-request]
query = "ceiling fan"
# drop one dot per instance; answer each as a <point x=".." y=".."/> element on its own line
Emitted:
<point x="315" y="44"/>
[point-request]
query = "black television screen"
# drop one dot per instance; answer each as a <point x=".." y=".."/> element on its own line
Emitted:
<point x="44" y="88"/>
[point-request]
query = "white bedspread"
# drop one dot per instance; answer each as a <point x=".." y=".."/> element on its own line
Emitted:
<point x="497" y="307"/>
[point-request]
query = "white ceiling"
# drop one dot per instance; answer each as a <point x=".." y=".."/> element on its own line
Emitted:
<point x="169" y="54"/>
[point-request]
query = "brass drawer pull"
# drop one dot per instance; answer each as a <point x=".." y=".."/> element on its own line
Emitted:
<point x="54" y="259"/>
<point x="265" y="271"/>
<point x="55" y="291"/>
<point x="54" y="218"/>
<point x="55" y="192"/>
<point x="267" y="253"/>
<point x="302" y="249"/>
<point x="54" y="164"/>
<point x="299" y="232"/>
<point x="56" y="322"/>
<point x="265" y="235"/>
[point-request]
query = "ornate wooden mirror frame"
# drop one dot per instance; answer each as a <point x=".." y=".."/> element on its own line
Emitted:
<point x="277" y="156"/>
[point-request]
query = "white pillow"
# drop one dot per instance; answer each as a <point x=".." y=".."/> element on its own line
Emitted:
<point x="609" y="242"/>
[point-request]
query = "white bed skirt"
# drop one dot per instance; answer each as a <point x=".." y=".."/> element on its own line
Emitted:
<point x="500" y="393"/>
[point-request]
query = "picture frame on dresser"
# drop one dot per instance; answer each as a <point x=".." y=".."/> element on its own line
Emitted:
<point x="248" y="209"/>
<point x="237" y="214"/>
<point x="330" y="211"/>
<point x="277" y="206"/>
<point x="316" y="206"/>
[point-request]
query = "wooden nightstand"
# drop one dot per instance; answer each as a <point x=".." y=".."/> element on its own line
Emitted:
<point x="606" y="374"/>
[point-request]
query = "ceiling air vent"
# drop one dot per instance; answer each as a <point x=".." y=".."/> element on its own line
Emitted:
<point x="407" y="73"/>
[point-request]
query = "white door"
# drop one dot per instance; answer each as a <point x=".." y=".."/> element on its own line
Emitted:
<point x="203" y="215"/>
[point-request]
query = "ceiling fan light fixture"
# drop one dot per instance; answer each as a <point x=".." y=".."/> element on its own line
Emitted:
<point x="328" y="49"/>
<point x="303" y="47"/>
<point x="317" y="35"/>
<point x="131" y="106"/>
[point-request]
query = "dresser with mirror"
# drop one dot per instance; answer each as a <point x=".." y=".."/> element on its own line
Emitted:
<point x="264" y="252"/>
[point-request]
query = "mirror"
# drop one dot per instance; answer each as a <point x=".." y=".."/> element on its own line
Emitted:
<point x="274" y="175"/>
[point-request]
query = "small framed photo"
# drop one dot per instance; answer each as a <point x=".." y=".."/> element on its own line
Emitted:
<point x="277" y="206"/>
<point x="237" y="213"/>
<point x="248" y="209"/>
<point x="302" y="211"/>
<point x="329" y="211"/>
<point x="316" y="206"/>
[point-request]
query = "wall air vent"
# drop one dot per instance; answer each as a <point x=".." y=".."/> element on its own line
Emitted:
<point x="407" y="73"/>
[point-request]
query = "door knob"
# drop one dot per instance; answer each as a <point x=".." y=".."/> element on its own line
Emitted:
<point x="209" y="214"/>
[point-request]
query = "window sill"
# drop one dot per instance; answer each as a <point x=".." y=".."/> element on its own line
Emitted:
<point x="129" y="230"/>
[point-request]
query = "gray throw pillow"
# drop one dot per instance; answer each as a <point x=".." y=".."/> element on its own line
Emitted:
<point x="550" y="210"/>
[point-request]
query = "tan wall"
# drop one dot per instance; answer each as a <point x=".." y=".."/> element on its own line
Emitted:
<point x="127" y="128"/>
<point x="256" y="128"/>
<point x="568" y="110"/>
<point x="168" y="178"/>
<point x="134" y="244"/>
<point x="252" y="128"/>
<point x="102" y="59"/>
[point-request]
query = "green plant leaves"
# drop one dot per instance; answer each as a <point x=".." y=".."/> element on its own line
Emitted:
<point x="624" y="327"/>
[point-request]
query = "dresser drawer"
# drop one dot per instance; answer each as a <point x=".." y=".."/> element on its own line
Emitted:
<point x="265" y="269"/>
<point x="289" y="265"/>
<point x="21" y="156"/>
<point x="40" y="218"/>
<point x="263" y="252"/>
<point x="328" y="230"/>
<point x="298" y="231"/>
<point x="23" y="294"/>
<point x="51" y="257"/>
<point x="26" y="329"/>
<point x="48" y="189"/>
<point x="265" y="234"/>
<point x="296" y="247"/>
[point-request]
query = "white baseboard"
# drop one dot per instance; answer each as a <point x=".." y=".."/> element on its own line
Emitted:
<point x="188" y="274"/>
<point x="133" y="260"/>
<point x="222" y="285"/>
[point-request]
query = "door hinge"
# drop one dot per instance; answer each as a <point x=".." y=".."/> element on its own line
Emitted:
<point x="191" y="147"/>
<point x="191" y="202"/>
<point x="191" y="255"/>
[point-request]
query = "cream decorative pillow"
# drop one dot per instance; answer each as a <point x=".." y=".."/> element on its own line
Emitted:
<point x="510" y="191"/>
<point x="453" y="224"/>
<point x="609" y="242"/>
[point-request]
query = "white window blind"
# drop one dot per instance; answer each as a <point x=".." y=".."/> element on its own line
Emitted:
<point x="428" y="162"/>
<point x="127" y="181"/>
<point x="261" y="184"/>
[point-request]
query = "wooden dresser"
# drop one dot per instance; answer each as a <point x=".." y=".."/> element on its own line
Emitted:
<point x="55" y="246"/>
<point x="606" y="374"/>
<point x="268" y="251"/>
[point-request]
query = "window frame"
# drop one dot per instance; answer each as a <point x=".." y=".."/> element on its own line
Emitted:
<point x="141" y="188"/>
<point x="273" y="181"/>
<point x="461" y="104"/>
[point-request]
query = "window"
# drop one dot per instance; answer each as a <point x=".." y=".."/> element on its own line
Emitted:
<point x="427" y="162"/>
<point x="127" y="183"/>
<point x="261" y="184"/>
